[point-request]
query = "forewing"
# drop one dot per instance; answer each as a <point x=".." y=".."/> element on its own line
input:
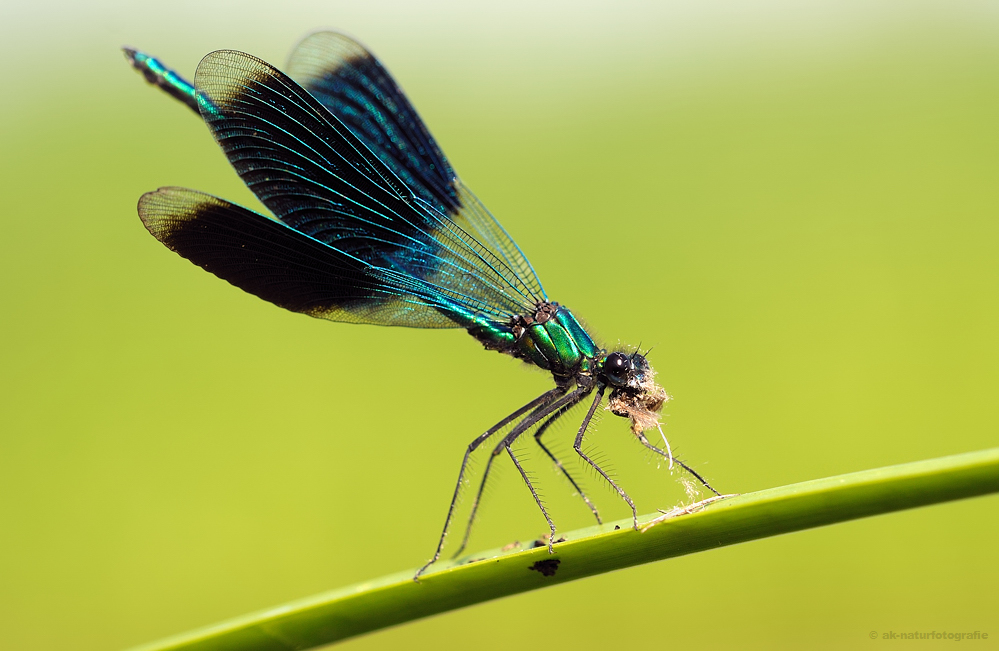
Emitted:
<point x="355" y="87"/>
<point x="277" y="263"/>
<point x="318" y="178"/>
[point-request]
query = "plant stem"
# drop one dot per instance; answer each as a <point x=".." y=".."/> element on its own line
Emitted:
<point x="395" y="599"/>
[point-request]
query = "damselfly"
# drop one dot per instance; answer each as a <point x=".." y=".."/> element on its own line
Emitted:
<point x="372" y="225"/>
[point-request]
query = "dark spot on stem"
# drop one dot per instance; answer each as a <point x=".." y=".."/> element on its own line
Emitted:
<point x="547" y="567"/>
<point x="616" y="527"/>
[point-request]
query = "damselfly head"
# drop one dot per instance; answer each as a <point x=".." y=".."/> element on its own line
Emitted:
<point x="635" y="394"/>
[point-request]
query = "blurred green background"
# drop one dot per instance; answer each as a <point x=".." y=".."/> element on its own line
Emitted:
<point x="798" y="206"/>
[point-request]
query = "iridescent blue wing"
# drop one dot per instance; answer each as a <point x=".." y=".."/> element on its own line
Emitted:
<point x="353" y="85"/>
<point x="323" y="182"/>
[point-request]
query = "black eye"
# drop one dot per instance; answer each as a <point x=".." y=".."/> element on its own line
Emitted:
<point x="617" y="364"/>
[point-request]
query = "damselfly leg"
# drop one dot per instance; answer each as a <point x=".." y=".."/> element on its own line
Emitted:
<point x="663" y="453"/>
<point x="544" y="399"/>
<point x="558" y="463"/>
<point x="552" y="414"/>
<point x="577" y="446"/>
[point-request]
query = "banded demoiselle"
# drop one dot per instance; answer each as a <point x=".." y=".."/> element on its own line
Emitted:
<point x="372" y="225"/>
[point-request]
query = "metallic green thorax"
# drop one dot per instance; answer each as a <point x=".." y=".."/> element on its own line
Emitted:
<point x="551" y="338"/>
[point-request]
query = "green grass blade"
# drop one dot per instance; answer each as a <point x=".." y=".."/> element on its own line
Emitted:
<point x="395" y="599"/>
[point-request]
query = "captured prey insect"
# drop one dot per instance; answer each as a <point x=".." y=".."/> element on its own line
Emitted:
<point x="372" y="225"/>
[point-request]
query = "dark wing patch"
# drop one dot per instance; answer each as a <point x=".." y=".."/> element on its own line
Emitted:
<point x="276" y="263"/>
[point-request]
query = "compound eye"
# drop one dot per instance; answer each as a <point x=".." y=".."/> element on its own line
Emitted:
<point x="617" y="365"/>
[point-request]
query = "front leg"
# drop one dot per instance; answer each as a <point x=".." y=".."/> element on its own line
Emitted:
<point x="578" y="446"/>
